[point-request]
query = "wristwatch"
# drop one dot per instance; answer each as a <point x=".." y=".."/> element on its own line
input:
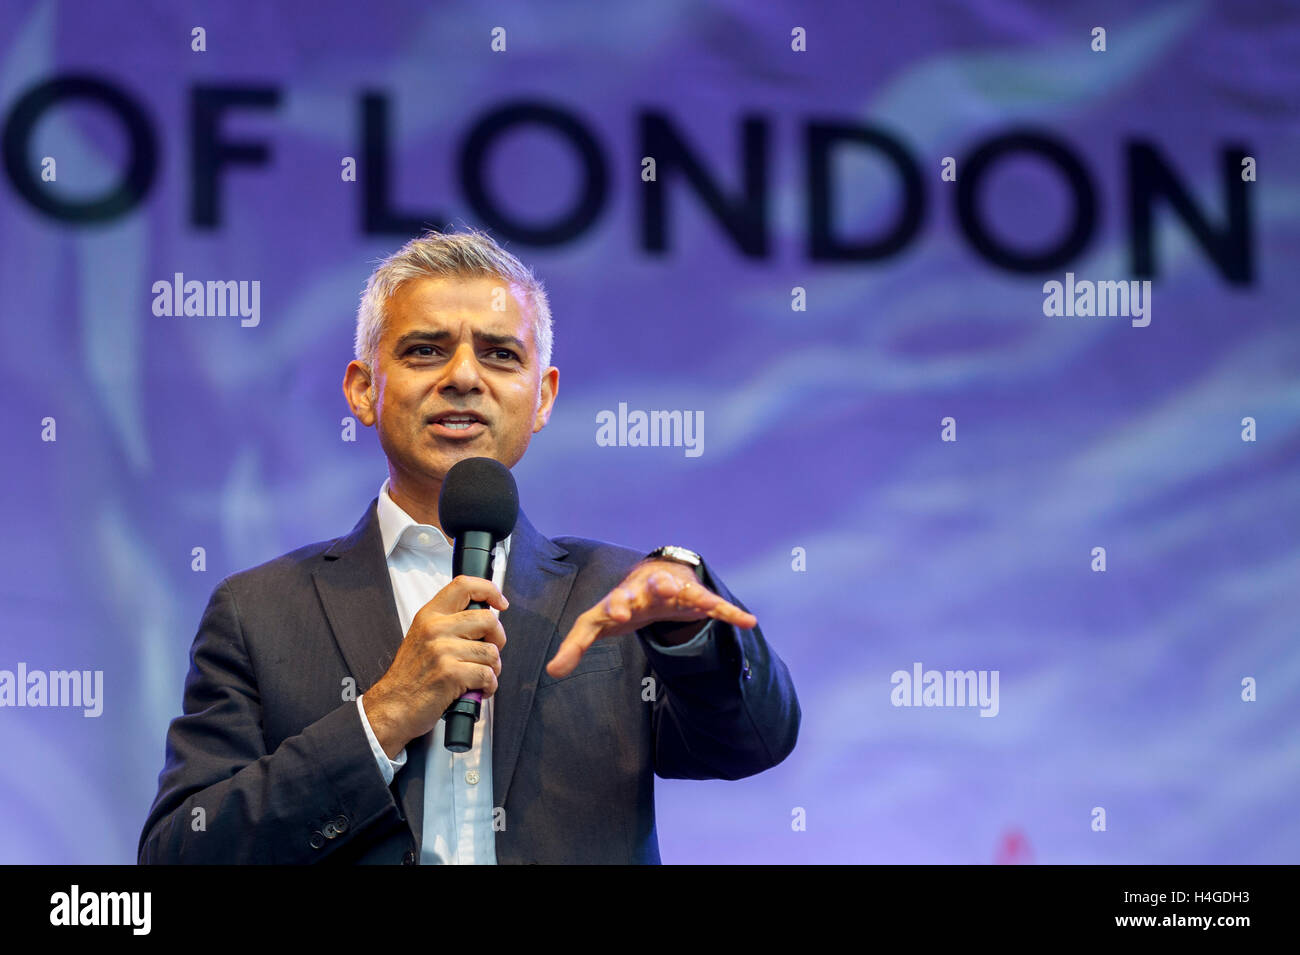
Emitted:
<point x="680" y="555"/>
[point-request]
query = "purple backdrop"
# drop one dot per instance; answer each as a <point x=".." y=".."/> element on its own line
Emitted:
<point x="825" y="493"/>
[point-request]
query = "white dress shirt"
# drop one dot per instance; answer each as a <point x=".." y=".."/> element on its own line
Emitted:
<point x="458" y="786"/>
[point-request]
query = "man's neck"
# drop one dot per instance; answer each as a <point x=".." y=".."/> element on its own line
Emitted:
<point x="420" y="500"/>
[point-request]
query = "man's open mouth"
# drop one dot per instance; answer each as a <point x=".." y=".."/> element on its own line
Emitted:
<point x="458" y="422"/>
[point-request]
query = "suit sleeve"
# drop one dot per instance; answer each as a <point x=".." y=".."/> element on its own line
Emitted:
<point x="726" y="710"/>
<point x="223" y="799"/>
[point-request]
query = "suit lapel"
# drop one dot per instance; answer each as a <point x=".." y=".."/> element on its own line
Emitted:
<point x="537" y="584"/>
<point x="357" y="595"/>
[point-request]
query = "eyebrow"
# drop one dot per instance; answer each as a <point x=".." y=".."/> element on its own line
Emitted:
<point x="441" y="335"/>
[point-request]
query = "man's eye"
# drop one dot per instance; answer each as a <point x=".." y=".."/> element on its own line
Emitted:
<point x="428" y="351"/>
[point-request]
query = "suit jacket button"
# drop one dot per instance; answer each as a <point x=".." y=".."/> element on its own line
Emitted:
<point x="341" y="823"/>
<point x="317" y="839"/>
<point x="409" y="858"/>
<point x="330" y="830"/>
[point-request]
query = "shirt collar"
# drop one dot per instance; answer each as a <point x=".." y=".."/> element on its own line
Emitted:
<point x="396" y="527"/>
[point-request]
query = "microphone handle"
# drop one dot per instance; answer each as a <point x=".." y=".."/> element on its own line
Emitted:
<point x="471" y="555"/>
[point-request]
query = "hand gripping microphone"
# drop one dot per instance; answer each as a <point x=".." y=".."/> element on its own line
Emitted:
<point x="478" y="507"/>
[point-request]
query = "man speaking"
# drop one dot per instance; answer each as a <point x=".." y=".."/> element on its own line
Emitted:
<point x="313" y="723"/>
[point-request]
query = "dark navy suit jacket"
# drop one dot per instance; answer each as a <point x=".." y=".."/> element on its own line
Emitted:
<point x="272" y="750"/>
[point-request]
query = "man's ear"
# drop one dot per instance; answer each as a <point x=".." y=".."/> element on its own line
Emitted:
<point x="550" y="387"/>
<point x="359" y="390"/>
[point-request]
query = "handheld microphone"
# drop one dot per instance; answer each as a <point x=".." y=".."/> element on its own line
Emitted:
<point x="478" y="507"/>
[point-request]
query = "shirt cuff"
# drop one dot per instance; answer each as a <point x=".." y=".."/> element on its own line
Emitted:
<point x="388" y="767"/>
<point x="692" y="647"/>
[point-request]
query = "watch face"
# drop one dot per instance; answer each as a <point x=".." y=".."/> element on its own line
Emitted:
<point x="680" y="554"/>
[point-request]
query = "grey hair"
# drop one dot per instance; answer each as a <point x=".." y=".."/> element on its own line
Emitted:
<point x="439" y="254"/>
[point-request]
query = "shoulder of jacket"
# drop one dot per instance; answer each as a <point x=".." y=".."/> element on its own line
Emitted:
<point x="585" y="549"/>
<point x="296" y="563"/>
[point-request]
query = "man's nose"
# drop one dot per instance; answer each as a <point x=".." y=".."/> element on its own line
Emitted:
<point x="462" y="369"/>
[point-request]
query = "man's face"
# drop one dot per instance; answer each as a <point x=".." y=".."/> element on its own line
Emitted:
<point x="446" y="350"/>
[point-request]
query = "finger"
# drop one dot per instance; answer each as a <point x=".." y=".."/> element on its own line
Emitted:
<point x="476" y="625"/>
<point x="619" y="605"/>
<point x="660" y="594"/>
<point x="482" y="653"/>
<point x="693" y="596"/>
<point x="463" y="589"/>
<point x="476" y="676"/>
<point x="730" y="613"/>
<point x="584" y="633"/>
<point x="471" y="625"/>
<point x="497" y="637"/>
<point x="681" y="595"/>
<point x="684" y="594"/>
<point x="664" y="584"/>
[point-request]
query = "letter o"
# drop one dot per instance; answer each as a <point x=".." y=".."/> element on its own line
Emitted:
<point x="28" y="111"/>
<point x="473" y="160"/>
<point x="1085" y="202"/>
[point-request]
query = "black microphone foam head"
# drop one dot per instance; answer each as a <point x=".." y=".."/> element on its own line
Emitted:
<point x="478" y="494"/>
